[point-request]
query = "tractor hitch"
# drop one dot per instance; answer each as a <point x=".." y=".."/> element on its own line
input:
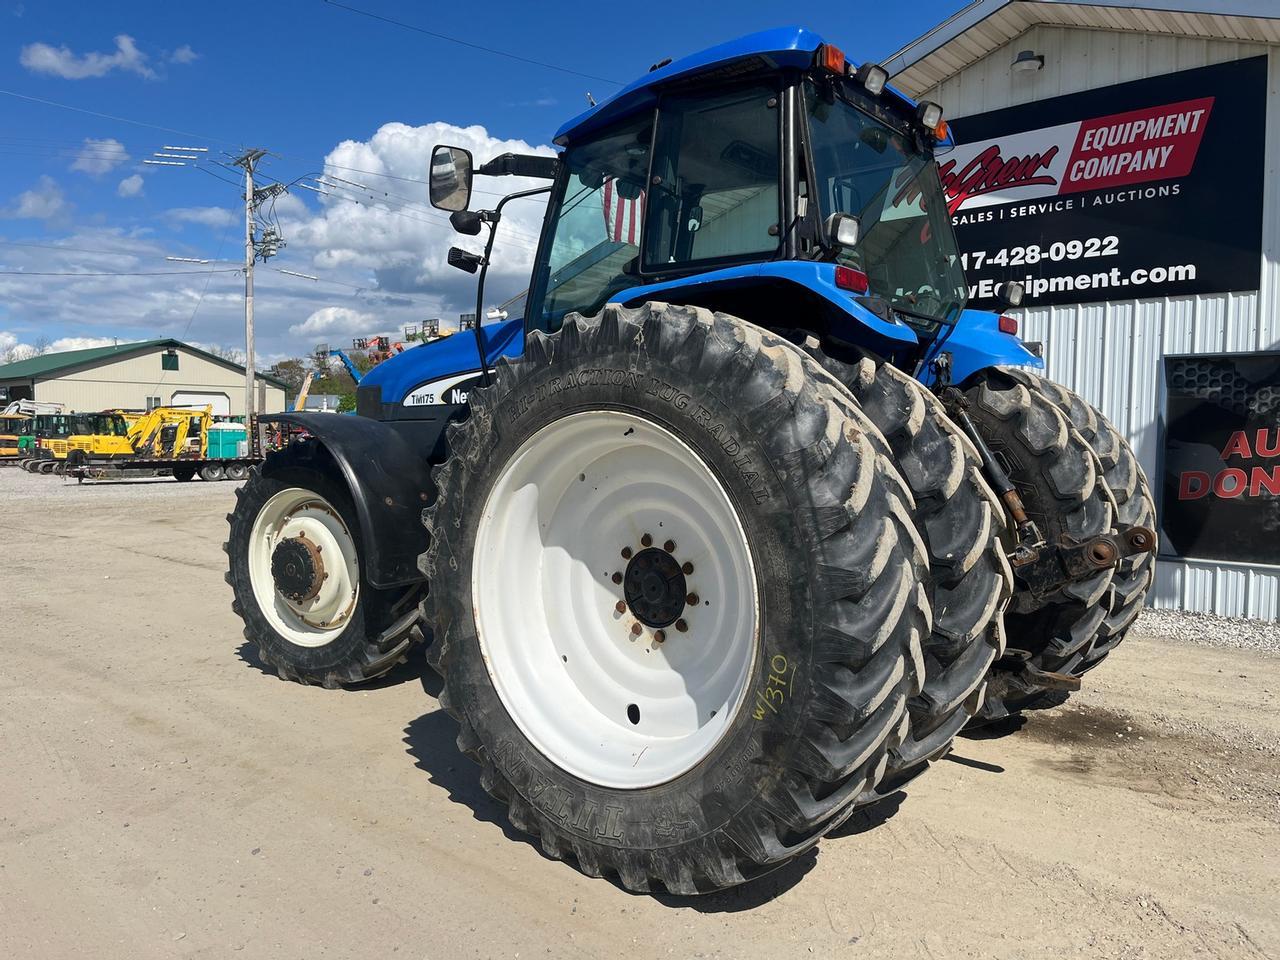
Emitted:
<point x="1043" y="567"/>
<point x="1020" y="662"/>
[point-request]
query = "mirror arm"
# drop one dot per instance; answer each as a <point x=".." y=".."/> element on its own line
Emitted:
<point x="492" y="218"/>
<point x="521" y="165"/>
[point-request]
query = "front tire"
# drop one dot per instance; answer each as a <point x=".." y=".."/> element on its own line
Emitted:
<point x="798" y="653"/>
<point x="295" y="569"/>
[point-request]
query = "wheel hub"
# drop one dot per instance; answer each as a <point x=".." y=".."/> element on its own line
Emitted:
<point x="297" y="569"/>
<point x="654" y="587"/>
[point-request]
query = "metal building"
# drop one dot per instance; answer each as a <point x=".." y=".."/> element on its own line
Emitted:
<point x="137" y="376"/>
<point x="995" y="66"/>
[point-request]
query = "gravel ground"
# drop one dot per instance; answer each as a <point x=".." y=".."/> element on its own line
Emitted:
<point x="162" y="795"/>
<point x="16" y="486"/>
<point x="1260" y="635"/>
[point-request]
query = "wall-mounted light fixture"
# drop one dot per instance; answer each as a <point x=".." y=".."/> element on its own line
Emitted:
<point x="1027" y="61"/>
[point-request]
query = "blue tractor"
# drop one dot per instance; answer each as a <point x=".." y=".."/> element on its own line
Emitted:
<point x="745" y="519"/>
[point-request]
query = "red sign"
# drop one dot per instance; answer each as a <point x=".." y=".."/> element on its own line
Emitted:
<point x="1122" y="149"/>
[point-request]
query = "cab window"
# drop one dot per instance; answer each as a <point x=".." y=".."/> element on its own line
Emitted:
<point x="714" y="189"/>
<point x="596" y="232"/>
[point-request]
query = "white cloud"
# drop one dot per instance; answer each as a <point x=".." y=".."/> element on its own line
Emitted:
<point x="97" y="157"/>
<point x="205" y="216"/>
<point x="331" y="321"/>
<point x="80" y="343"/>
<point x="130" y="186"/>
<point x="394" y="234"/>
<point x="63" y="62"/>
<point x="388" y="254"/>
<point x="44" y="201"/>
<point x="184" y="54"/>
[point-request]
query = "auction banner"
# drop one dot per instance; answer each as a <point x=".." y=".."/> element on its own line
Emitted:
<point x="1145" y="189"/>
<point x="1222" y="457"/>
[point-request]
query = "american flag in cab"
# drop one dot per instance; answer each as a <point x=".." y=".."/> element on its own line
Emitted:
<point x="622" y="217"/>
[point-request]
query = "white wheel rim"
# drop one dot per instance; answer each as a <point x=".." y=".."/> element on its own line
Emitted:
<point x="608" y="705"/>
<point x="295" y="513"/>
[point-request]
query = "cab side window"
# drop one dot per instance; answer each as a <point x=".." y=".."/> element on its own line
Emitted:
<point x="714" y="190"/>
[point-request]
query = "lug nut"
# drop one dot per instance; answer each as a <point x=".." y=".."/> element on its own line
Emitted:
<point x="620" y="606"/>
<point x="617" y="577"/>
<point x="636" y="628"/>
<point x="669" y="546"/>
<point x="659" y="636"/>
<point x="687" y="568"/>
<point x="626" y="553"/>
<point x="681" y="625"/>
<point x="692" y="600"/>
<point x="646" y="541"/>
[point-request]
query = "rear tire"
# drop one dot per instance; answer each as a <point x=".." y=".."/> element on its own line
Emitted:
<point x="212" y="471"/>
<point x="961" y="523"/>
<point x="236" y="471"/>
<point x="1060" y="482"/>
<point x="839" y="611"/>
<point x="377" y="627"/>
<point x="1135" y="506"/>
<point x="184" y="473"/>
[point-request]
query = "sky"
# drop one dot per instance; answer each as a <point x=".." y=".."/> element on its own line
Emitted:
<point x="329" y="92"/>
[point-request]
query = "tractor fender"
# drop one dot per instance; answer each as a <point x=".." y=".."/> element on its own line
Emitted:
<point x="738" y="290"/>
<point x="976" y="344"/>
<point x="389" y="482"/>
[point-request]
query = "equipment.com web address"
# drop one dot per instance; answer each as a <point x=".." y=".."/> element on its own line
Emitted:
<point x="1100" y="280"/>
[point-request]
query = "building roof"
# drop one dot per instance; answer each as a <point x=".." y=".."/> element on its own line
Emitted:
<point x="49" y="365"/>
<point x="985" y="25"/>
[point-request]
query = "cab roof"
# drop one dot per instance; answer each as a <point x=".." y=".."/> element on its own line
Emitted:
<point x="779" y="47"/>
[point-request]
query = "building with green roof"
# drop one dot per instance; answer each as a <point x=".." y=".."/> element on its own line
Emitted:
<point x="137" y="376"/>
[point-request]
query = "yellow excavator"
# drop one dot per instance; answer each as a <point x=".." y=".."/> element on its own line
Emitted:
<point x="169" y="433"/>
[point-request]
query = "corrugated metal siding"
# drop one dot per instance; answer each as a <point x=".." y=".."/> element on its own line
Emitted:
<point x="1015" y="19"/>
<point x="1111" y="353"/>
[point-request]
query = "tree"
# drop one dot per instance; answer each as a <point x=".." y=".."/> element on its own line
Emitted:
<point x="25" y="351"/>
<point x="293" y="372"/>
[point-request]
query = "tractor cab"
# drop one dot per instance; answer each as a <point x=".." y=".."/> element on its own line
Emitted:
<point x="755" y="177"/>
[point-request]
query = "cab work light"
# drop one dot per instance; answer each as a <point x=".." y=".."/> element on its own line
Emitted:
<point x="930" y="115"/>
<point x="848" y="278"/>
<point x="873" y="77"/>
<point x="831" y="58"/>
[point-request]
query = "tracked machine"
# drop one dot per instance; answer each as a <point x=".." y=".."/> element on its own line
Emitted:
<point x="745" y="519"/>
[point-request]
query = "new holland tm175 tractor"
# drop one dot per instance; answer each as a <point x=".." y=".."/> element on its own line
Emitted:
<point x="746" y="517"/>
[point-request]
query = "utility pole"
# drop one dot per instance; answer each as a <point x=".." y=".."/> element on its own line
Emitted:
<point x="248" y="160"/>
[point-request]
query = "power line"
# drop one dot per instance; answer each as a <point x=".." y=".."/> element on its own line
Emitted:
<point x="468" y="43"/>
<point x="108" y="116"/>
<point x="162" y="273"/>
<point x="197" y="136"/>
<point x="54" y="246"/>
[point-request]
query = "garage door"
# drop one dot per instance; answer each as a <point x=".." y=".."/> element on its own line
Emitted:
<point x="220" y="402"/>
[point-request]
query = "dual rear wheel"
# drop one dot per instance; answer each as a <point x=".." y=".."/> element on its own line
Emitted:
<point x="685" y="602"/>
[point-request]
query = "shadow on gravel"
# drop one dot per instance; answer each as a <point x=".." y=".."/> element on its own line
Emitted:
<point x="996" y="729"/>
<point x="400" y="673"/>
<point x="431" y="741"/>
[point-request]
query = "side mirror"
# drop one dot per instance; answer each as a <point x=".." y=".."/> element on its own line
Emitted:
<point x="450" y="179"/>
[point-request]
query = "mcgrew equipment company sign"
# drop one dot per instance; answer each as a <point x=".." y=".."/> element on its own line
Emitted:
<point x="1144" y="189"/>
